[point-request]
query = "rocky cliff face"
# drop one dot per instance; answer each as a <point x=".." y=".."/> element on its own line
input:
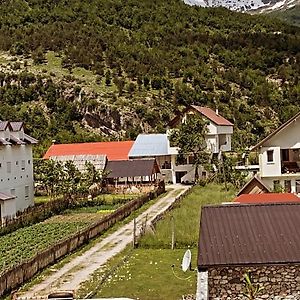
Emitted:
<point x="246" y="5"/>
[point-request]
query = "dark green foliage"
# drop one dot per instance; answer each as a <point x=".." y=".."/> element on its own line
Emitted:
<point x="164" y="54"/>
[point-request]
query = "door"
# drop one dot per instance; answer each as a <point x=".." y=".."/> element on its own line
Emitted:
<point x="179" y="175"/>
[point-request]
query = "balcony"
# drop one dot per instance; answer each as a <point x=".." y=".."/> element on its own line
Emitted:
<point x="289" y="167"/>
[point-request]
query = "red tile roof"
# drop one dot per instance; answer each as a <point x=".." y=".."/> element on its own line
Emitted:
<point x="113" y="150"/>
<point x="212" y="115"/>
<point x="267" y="198"/>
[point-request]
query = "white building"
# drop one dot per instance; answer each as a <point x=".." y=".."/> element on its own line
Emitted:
<point x="218" y="139"/>
<point x="220" y="130"/>
<point x="16" y="169"/>
<point x="279" y="157"/>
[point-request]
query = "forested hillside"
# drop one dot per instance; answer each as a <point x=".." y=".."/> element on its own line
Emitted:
<point x="108" y="69"/>
<point x="291" y="15"/>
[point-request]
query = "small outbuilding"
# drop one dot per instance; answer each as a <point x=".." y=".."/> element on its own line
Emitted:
<point x="132" y="171"/>
<point x="261" y="239"/>
<point x="254" y="186"/>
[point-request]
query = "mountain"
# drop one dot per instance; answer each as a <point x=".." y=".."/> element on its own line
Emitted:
<point x="246" y="5"/>
<point x="291" y="15"/>
<point x="86" y="70"/>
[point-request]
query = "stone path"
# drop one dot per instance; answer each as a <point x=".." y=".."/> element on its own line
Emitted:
<point x="79" y="269"/>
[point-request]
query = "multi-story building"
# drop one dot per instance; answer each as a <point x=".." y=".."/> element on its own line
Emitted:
<point x="16" y="169"/>
<point x="218" y="138"/>
<point x="279" y="157"/>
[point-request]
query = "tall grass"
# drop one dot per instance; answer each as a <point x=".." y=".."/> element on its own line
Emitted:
<point x="186" y="218"/>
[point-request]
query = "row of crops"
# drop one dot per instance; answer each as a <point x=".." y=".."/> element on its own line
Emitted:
<point x="24" y="243"/>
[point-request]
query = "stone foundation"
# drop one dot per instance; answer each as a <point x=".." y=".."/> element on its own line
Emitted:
<point x="279" y="282"/>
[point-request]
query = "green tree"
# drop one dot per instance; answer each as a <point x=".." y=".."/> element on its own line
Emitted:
<point x="190" y="138"/>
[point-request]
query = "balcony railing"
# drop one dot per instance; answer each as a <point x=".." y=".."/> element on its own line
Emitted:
<point x="289" y="167"/>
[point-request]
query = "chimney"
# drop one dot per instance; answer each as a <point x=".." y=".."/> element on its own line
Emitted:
<point x="217" y="111"/>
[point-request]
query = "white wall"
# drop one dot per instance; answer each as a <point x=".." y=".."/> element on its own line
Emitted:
<point x="21" y="175"/>
<point x="288" y="138"/>
<point x="270" y="168"/>
<point x="8" y="208"/>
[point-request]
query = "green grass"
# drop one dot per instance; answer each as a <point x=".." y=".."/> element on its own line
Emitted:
<point x="41" y="199"/>
<point x="147" y="275"/>
<point x="186" y="218"/>
<point x="48" y="271"/>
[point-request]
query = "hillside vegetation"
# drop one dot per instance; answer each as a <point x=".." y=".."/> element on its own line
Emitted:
<point x="291" y="15"/>
<point x="108" y="69"/>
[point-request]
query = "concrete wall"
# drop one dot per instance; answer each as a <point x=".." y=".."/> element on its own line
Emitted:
<point x="268" y="169"/>
<point x="16" y="174"/>
<point x="8" y="208"/>
<point x="279" y="282"/>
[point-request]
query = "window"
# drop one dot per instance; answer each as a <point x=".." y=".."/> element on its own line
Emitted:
<point x="297" y="186"/>
<point x="26" y="191"/>
<point x="285" y="154"/>
<point x="8" y="165"/>
<point x="23" y="165"/>
<point x="13" y="192"/>
<point x="17" y="163"/>
<point x="270" y="156"/>
<point x="29" y="162"/>
<point x="288" y="186"/>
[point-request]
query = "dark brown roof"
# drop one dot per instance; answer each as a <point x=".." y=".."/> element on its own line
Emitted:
<point x="233" y="235"/>
<point x="131" y="168"/>
<point x="206" y="112"/>
<point x="283" y="126"/>
<point x="255" y="181"/>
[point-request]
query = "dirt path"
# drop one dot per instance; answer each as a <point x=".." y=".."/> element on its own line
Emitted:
<point x="78" y="270"/>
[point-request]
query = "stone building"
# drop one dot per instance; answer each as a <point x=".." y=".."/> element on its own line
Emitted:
<point x="262" y="240"/>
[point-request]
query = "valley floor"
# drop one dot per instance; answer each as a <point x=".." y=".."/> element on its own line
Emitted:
<point x="79" y="269"/>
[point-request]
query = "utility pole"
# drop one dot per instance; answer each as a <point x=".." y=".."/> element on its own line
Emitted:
<point x="173" y="233"/>
<point x="134" y="233"/>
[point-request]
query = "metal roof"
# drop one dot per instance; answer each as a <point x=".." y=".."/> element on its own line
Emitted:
<point x="233" y="235"/>
<point x="267" y="198"/>
<point x="113" y="150"/>
<point x="132" y="168"/>
<point x="148" y="145"/>
<point x="6" y="196"/>
<point x="16" y="126"/>
<point x="79" y="161"/>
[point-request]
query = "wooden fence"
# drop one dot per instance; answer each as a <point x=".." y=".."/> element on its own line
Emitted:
<point x="38" y="213"/>
<point x="17" y="275"/>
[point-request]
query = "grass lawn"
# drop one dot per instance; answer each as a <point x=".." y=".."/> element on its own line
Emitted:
<point x="186" y="218"/>
<point x="147" y="274"/>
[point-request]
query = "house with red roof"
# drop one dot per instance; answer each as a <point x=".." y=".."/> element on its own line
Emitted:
<point x="117" y="150"/>
<point x="267" y="198"/>
<point x="220" y="129"/>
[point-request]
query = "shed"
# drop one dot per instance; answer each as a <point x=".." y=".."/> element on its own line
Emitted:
<point x="262" y="239"/>
<point x="133" y="170"/>
<point x="254" y="186"/>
